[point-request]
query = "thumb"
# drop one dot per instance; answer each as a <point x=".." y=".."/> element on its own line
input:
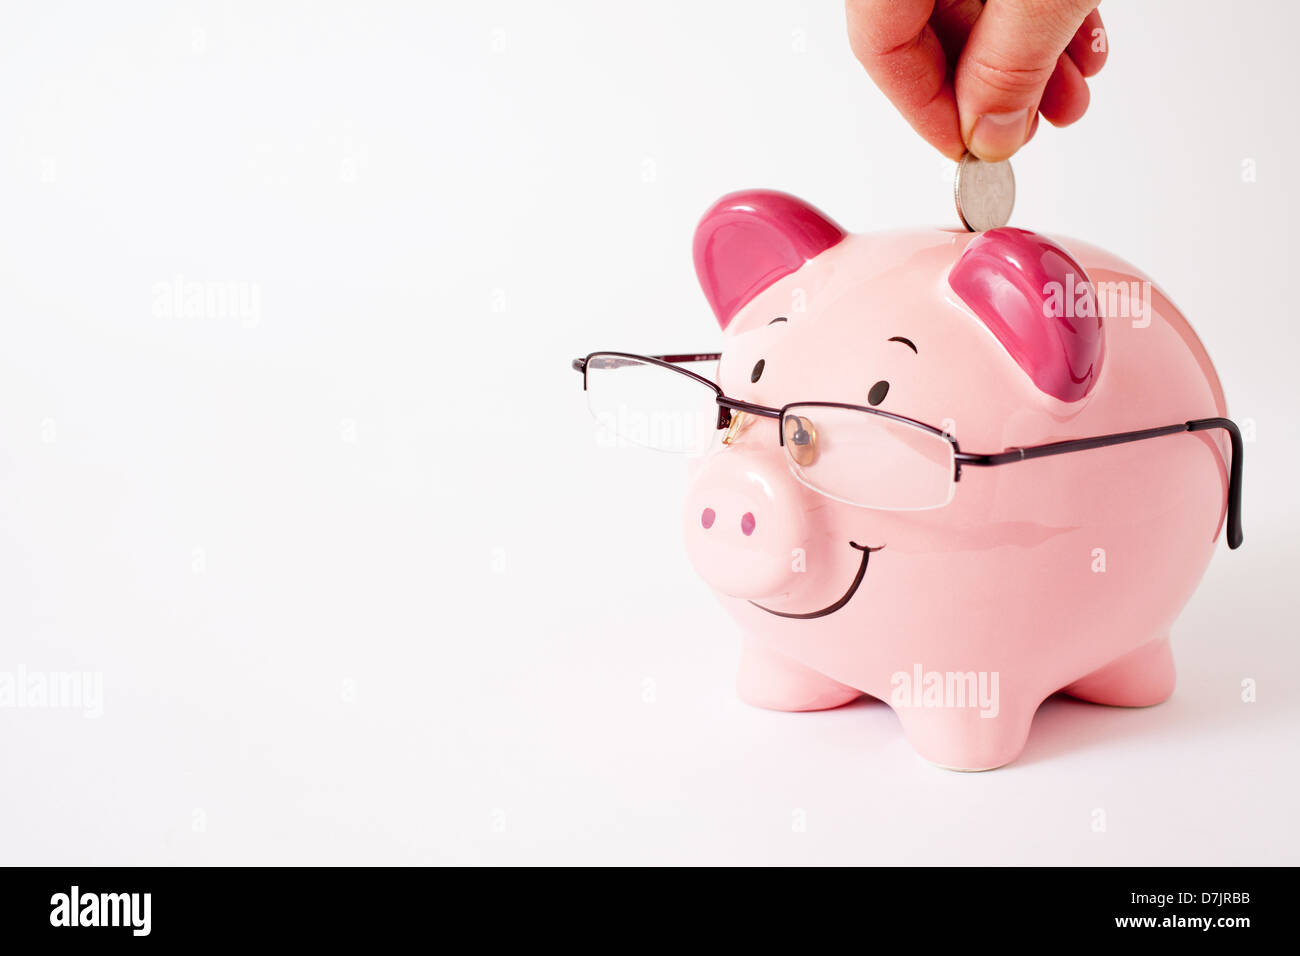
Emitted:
<point x="1007" y="60"/>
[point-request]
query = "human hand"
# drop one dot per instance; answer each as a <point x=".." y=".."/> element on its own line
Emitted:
<point x="974" y="75"/>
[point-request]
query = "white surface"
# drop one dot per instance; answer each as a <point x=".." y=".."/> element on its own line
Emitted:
<point x="358" y="583"/>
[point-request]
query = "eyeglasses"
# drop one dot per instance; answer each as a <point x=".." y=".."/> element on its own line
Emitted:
<point x="651" y="401"/>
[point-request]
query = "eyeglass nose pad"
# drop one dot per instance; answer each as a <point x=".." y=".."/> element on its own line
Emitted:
<point x="739" y="422"/>
<point x="800" y="440"/>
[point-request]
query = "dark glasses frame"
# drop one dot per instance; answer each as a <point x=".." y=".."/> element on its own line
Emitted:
<point x="727" y="404"/>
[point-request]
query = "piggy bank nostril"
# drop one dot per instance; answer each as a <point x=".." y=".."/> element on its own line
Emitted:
<point x="747" y="523"/>
<point x="707" y="518"/>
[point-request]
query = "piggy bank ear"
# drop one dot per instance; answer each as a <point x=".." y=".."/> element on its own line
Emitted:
<point x="1039" y="303"/>
<point x="749" y="239"/>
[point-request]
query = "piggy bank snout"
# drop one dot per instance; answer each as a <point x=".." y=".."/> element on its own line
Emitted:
<point x="745" y="522"/>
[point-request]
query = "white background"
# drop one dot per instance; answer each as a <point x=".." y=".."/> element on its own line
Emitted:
<point x="359" y="584"/>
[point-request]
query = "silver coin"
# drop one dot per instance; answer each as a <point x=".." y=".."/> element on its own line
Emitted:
<point x="985" y="193"/>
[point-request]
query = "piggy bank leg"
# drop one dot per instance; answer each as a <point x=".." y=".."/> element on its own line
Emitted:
<point x="1138" y="679"/>
<point x="964" y="738"/>
<point x="772" y="680"/>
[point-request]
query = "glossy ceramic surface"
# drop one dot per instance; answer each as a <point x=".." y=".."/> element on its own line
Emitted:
<point x="1056" y="573"/>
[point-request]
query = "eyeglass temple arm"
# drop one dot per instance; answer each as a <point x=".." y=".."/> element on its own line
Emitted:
<point x="580" y="364"/>
<point x="1120" y="438"/>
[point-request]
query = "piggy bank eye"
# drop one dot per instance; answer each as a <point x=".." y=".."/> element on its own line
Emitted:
<point x="878" y="393"/>
<point x="755" y="375"/>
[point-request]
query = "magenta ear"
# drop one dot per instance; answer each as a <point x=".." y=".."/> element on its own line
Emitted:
<point x="1039" y="303"/>
<point x="749" y="239"/>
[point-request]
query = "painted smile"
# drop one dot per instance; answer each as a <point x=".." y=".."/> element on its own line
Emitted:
<point x="844" y="599"/>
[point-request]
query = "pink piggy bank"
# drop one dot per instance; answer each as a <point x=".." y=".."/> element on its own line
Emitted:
<point x="956" y="472"/>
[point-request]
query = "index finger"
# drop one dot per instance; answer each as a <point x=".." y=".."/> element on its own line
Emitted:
<point x="900" y="51"/>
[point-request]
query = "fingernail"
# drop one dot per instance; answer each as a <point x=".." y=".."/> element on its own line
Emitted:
<point x="996" y="136"/>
